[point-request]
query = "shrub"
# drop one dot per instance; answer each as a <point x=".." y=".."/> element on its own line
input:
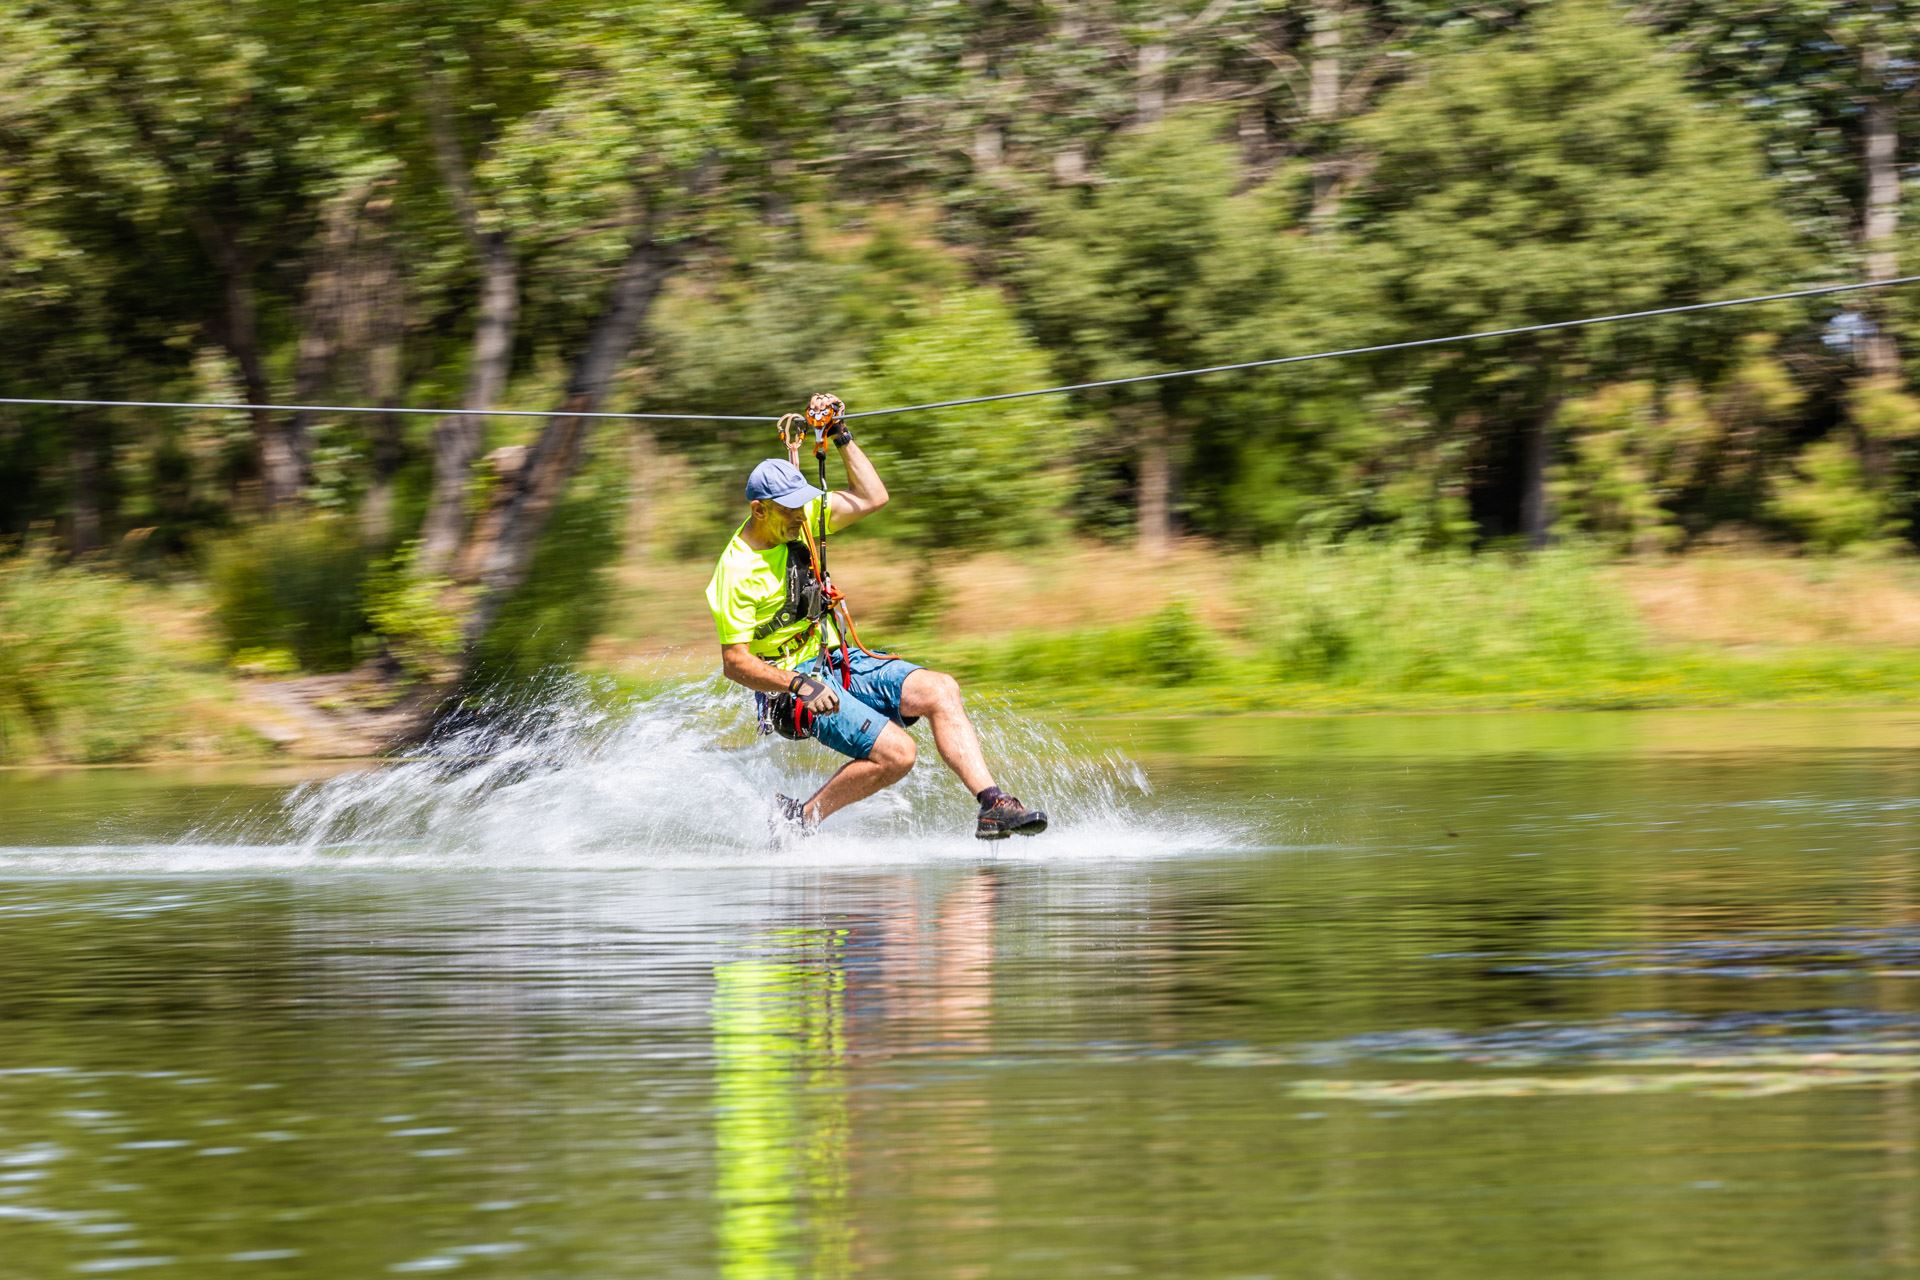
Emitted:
<point x="81" y="676"/>
<point x="1177" y="649"/>
<point x="1831" y="502"/>
<point x="1390" y="616"/>
<point x="1169" y="647"/>
<point x="550" y="620"/>
<point x="409" y="612"/>
<point x="291" y="584"/>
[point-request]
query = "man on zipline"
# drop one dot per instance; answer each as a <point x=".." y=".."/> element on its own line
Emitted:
<point x="784" y="634"/>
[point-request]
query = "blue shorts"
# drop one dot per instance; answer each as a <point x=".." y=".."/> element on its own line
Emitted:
<point x="865" y="708"/>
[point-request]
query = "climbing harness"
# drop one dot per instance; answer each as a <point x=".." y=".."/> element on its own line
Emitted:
<point x="810" y="590"/>
<point x="804" y="600"/>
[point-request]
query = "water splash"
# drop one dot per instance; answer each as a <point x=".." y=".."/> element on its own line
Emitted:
<point x="575" y="778"/>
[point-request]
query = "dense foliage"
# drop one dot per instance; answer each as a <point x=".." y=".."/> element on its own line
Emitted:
<point x="723" y="205"/>
<point x="83" y="675"/>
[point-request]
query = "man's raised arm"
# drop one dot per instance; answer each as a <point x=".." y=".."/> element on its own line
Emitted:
<point x="868" y="494"/>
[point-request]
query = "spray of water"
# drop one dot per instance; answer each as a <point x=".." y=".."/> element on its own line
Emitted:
<point x="573" y="778"/>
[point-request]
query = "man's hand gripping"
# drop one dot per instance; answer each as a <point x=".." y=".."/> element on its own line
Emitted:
<point x="819" y="697"/>
<point x="827" y="415"/>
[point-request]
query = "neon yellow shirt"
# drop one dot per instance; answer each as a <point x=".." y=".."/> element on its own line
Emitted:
<point x="746" y="591"/>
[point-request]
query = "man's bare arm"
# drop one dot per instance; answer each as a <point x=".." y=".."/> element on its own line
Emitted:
<point x="743" y="667"/>
<point x="868" y="494"/>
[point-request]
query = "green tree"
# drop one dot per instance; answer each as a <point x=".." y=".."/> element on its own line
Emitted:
<point x="1110" y="280"/>
<point x="180" y="119"/>
<point x="1561" y="171"/>
<point x="1832" y="85"/>
<point x="986" y="475"/>
<point x="1650" y="463"/>
<point x="1835" y="86"/>
<point x="90" y="293"/>
<point x="1831" y="501"/>
<point x="1317" y="449"/>
<point x="611" y="173"/>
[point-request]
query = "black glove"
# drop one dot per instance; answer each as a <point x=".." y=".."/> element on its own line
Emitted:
<point x="822" y="699"/>
<point x="842" y="436"/>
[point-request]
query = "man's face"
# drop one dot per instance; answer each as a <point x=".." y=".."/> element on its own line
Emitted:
<point x="781" y="522"/>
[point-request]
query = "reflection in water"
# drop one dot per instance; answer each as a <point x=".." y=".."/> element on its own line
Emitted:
<point x="1888" y="951"/>
<point x="785" y="1025"/>
<point x="1594" y="1012"/>
<point x="780" y="1122"/>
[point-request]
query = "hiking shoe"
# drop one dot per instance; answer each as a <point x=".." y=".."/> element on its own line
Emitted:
<point x="788" y="821"/>
<point x="1006" y="816"/>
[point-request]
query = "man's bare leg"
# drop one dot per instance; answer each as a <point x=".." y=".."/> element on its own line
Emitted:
<point x="893" y="755"/>
<point x="936" y="695"/>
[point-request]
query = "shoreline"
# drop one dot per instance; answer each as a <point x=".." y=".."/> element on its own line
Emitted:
<point x="1360" y="631"/>
<point x="292" y="759"/>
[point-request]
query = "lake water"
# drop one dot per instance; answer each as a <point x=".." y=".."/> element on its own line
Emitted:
<point x="1517" y="996"/>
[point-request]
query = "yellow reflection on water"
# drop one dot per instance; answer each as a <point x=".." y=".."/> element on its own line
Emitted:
<point x="780" y="1125"/>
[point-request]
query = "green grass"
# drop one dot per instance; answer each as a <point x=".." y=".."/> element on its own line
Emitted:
<point x="97" y="668"/>
<point x="1368" y="627"/>
<point x="1677" y="678"/>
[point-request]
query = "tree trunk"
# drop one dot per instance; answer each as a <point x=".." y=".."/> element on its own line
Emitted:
<point x="1323" y="109"/>
<point x="1154" y="499"/>
<point x="457" y="439"/>
<point x="320" y="318"/>
<point x="495" y="561"/>
<point x="1070" y="162"/>
<point x="376" y="509"/>
<point x="1150" y="84"/>
<point x="1536" y="507"/>
<point x="646" y="474"/>
<point x="379" y="326"/>
<point x="989" y="148"/>
<point x="1256" y="144"/>
<point x="1070" y="165"/>
<point x="1880" y="225"/>
<point x="352" y="321"/>
<point x="989" y="139"/>
<point x="1879" y="229"/>
<point x="330" y="311"/>
<point x="282" y="448"/>
<point x="83" y="465"/>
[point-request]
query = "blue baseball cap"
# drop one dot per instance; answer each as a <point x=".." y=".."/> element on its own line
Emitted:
<point x="777" y="480"/>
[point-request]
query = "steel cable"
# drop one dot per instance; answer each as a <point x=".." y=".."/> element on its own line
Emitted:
<point x="1068" y="389"/>
<point x="1399" y="346"/>
<point x="365" y="408"/>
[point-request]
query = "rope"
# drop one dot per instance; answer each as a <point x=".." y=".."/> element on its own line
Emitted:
<point x="362" y="408"/>
<point x="1397" y="346"/>
<point x="1376" y="349"/>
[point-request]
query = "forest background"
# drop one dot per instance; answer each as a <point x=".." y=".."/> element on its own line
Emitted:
<point x="720" y="206"/>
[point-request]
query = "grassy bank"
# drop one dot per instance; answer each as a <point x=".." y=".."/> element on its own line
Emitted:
<point x="1382" y="628"/>
<point x="94" y="668"/>
<point x="1674" y="678"/>
<point x="1358" y="628"/>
